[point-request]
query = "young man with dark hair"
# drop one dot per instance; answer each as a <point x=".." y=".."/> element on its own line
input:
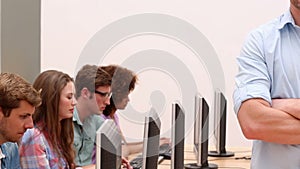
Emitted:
<point x="18" y="100"/>
<point x="93" y="93"/>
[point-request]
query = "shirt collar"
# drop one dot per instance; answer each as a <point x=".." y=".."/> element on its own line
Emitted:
<point x="1" y="154"/>
<point x="76" y="117"/>
<point x="285" y="19"/>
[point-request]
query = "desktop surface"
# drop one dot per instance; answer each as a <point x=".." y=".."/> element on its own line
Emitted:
<point x="241" y="159"/>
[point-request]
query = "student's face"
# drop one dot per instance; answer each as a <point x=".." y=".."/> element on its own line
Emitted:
<point x="296" y="3"/>
<point x="101" y="98"/>
<point x="67" y="101"/>
<point x="14" y="126"/>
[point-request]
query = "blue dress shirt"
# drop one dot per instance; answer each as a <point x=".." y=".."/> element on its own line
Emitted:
<point x="269" y="67"/>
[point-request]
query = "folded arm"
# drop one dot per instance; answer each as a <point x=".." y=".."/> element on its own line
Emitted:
<point x="260" y="121"/>
<point x="290" y="106"/>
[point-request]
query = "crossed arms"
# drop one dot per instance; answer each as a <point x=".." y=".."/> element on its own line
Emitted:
<point x="278" y="123"/>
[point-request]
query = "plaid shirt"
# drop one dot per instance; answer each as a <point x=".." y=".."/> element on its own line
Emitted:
<point x="35" y="152"/>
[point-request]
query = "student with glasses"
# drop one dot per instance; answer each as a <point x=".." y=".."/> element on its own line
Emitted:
<point x="105" y="95"/>
<point x="93" y="93"/>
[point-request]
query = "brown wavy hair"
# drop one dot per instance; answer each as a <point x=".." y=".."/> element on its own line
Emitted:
<point x="123" y="82"/>
<point x="13" y="89"/>
<point x="60" y="134"/>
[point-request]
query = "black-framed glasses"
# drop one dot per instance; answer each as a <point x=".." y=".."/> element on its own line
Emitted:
<point x="106" y="94"/>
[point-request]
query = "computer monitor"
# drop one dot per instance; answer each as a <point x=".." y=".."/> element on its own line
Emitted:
<point x="201" y="135"/>
<point x="109" y="147"/>
<point x="151" y="140"/>
<point x="177" y="136"/>
<point x="220" y="126"/>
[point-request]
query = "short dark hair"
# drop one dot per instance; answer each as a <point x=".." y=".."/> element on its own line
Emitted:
<point x="91" y="77"/>
<point x="13" y="89"/>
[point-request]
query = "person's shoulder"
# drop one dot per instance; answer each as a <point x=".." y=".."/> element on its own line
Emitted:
<point x="9" y="147"/>
<point x="98" y="120"/>
<point x="31" y="135"/>
<point x="269" y="28"/>
<point x="28" y="134"/>
<point x="97" y="117"/>
<point x="11" y="151"/>
<point x="9" y="144"/>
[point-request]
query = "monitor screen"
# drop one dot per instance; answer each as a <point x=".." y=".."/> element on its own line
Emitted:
<point x="151" y="140"/>
<point x="201" y="135"/>
<point x="108" y="146"/>
<point x="201" y="130"/>
<point x="178" y="125"/>
<point x="220" y="113"/>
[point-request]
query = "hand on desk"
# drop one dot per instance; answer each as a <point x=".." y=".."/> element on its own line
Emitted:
<point x="125" y="164"/>
<point x="164" y="140"/>
<point x="137" y="147"/>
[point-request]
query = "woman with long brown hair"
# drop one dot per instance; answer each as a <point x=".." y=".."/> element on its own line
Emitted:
<point x="50" y="143"/>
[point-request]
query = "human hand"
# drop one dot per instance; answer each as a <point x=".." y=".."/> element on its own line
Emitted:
<point x="289" y="106"/>
<point x="126" y="164"/>
<point x="164" y="140"/>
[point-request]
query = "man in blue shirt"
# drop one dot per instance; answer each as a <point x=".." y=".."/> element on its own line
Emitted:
<point x="266" y="98"/>
<point x="18" y="100"/>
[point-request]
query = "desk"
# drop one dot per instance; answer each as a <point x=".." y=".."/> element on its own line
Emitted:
<point x="238" y="161"/>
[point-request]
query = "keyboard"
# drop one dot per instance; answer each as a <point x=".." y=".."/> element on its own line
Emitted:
<point x="137" y="162"/>
<point x="165" y="151"/>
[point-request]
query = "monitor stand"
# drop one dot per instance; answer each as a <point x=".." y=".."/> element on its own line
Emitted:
<point x="195" y="166"/>
<point x="221" y="154"/>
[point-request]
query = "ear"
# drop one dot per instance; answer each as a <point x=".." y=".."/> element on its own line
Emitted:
<point x="85" y="93"/>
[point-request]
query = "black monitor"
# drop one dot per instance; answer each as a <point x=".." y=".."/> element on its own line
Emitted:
<point x="151" y="140"/>
<point x="220" y="126"/>
<point x="109" y="147"/>
<point x="201" y="135"/>
<point x="178" y="122"/>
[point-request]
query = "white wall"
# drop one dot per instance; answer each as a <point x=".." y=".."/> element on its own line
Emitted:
<point x="71" y="27"/>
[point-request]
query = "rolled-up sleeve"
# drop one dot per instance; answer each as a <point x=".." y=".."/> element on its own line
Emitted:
<point x="253" y="79"/>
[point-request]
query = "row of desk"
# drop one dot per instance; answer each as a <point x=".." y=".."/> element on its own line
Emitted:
<point x="240" y="160"/>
